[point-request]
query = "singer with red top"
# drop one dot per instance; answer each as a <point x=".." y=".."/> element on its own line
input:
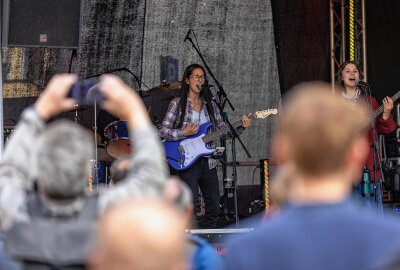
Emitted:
<point x="355" y="90"/>
<point x="185" y="114"/>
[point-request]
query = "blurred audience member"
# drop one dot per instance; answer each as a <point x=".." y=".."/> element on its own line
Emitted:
<point x="119" y="169"/>
<point x="140" y="234"/>
<point x="280" y="186"/>
<point x="201" y="254"/>
<point x="319" y="228"/>
<point x="52" y="228"/>
<point x="6" y="262"/>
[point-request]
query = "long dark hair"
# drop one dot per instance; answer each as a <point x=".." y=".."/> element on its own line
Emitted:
<point x="339" y="80"/>
<point x="205" y="94"/>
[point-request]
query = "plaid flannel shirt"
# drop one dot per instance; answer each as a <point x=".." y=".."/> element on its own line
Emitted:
<point x="169" y="128"/>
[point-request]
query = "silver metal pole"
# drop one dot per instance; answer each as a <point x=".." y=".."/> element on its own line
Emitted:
<point x="332" y="37"/>
<point x="343" y="10"/>
<point x="1" y="86"/>
<point x="96" y="167"/>
<point x="1" y="107"/>
<point x="364" y="41"/>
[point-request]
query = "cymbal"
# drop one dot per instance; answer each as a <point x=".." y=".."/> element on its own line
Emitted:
<point x="165" y="87"/>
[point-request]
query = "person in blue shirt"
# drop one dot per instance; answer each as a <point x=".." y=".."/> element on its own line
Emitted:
<point x="322" y="139"/>
<point x="201" y="255"/>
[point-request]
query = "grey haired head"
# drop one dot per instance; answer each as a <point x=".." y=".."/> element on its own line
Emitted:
<point x="64" y="152"/>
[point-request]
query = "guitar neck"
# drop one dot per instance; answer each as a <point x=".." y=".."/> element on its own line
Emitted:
<point x="215" y="135"/>
<point x="380" y="109"/>
<point x="224" y="130"/>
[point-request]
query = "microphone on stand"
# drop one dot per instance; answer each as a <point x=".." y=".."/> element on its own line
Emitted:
<point x="201" y="86"/>
<point x="205" y="89"/>
<point x="187" y="35"/>
<point x="204" y="86"/>
<point x="361" y="83"/>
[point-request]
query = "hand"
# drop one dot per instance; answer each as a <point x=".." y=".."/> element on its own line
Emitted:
<point x="53" y="99"/>
<point x="191" y="129"/>
<point x="246" y="120"/>
<point x="387" y="107"/>
<point x="122" y="101"/>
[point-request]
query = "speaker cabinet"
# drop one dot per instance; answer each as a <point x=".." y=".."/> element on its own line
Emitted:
<point x="249" y="200"/>
<point x="41" y="23"/>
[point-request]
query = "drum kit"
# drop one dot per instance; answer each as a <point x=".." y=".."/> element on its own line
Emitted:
<point x="117" y="143"/>
<point x="166" y="87"/>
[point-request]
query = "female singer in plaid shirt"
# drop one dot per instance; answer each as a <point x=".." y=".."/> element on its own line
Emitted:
<point x="184" y="116"/>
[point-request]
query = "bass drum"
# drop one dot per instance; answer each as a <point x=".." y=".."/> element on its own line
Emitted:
<point x="118" y="143"/>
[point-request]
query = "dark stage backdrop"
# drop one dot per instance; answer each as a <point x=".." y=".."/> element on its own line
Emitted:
<point x="25" y="73"/>
<point x="111" y="37"/>
<point x="235" y="37"/>
<point x="383" y="47"/>
<point x="302" y="41"/>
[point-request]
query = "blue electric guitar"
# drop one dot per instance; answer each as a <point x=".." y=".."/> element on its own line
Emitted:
<point x="183" y="153"/>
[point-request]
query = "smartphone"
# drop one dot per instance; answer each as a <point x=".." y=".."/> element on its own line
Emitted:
<point x="86" y="92"/>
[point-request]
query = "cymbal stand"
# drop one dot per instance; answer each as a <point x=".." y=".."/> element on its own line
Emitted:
<point x="96" y="167"/>
<point x="77" y="120"/>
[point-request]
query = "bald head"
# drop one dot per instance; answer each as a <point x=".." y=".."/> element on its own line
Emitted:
<point x="141" y="234"/>
<point x="317" y="129"/>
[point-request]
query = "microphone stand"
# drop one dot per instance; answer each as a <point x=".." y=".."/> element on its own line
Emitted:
<point x="375" y="147"/>
<point x="234" y="135"/>
<point x="223" y="98"/>
<point x="220" y="88"/>
<point x="73" y="54"/>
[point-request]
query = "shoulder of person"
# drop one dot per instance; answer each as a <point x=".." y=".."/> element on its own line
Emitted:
<point x="176" y="100"/>
<point x="213" y="103"/>
<point x="204" y="254"/>
<point x="198" y="241"/>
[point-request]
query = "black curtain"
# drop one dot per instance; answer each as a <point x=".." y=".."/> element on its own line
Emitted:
<point x="302" y="41"/>
<point x="383" y="46"/>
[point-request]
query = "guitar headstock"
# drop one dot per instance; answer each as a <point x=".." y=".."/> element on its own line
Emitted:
<point x="265" y="113"/>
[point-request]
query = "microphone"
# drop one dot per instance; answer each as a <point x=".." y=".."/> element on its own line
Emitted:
<point x="361" y="83"/>
<point x="201" y="86"/>
<point x="187" y="35"/>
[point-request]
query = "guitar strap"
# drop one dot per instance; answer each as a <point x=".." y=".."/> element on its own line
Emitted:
<point x="210" y="113"/>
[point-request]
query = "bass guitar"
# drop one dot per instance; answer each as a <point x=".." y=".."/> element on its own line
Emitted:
<point x="378" y="111"/>
<point x="182" y="154"/>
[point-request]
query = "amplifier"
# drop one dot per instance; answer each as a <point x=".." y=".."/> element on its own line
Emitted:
<point x="392" y="145"/>
<point x="41" y="23"/>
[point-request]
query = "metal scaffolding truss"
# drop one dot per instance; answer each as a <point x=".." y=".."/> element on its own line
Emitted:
<point x="347" y="35"/>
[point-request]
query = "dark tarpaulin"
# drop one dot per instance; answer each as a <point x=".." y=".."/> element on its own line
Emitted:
<point x="302" y="38"/>
<point x="383" y="47"/>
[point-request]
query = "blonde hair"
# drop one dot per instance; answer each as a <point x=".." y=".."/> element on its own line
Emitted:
<point x="317" y="127"/>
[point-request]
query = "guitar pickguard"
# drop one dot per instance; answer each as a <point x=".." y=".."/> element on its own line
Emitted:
<point x="193" y="148"/>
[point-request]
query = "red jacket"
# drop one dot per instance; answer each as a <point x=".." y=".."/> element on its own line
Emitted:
<point x="381" y="127"/>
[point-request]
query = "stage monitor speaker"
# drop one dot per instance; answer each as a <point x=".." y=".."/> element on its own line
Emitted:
<point x="41" y="23"/>
<point x="218" y="237"/>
